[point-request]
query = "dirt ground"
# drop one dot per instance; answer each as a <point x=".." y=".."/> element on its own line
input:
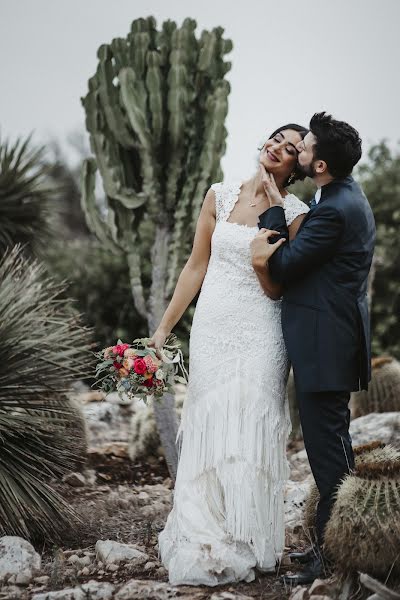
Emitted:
<point x="115" y="507"/>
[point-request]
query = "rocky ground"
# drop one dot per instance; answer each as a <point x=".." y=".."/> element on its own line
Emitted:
<point x="122" y="505"/>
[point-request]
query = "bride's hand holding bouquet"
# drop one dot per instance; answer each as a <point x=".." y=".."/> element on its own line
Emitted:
<point x="146" y="368"/>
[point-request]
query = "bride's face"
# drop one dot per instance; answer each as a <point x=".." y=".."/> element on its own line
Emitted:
<point x="279" y="154"/>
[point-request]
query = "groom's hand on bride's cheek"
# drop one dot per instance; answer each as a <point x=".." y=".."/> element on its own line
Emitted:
<point x="261" y="249"/>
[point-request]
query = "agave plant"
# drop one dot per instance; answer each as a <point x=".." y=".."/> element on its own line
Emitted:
<point x="43" y="349"/>
<point x="26" y="193"/>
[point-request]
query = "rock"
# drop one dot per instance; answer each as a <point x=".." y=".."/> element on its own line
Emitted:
<point x="229" y="596"/>
<point x="41" y="580"/>
<point x="93" y="396"/>
<point x="320" y="587"/>
<point x="109" y="552"/>
<point x="384" y="427"/>
<point x="74" y="479"/>
<point x="144" y="496"/>
<point x="149" y="565"/>
<point x="119" y="449"/>
<point x="299" y="593"/>
<point x="154" y="509"/>
<point x="11" y="592"/>
<point x="93" y="590"/>
<point x="299" y="466"/>
<point x="112" y="567"/>
<point x="17" y="556"/>
<point x="74" y="558"/>
<point x="162" y="571"/>
<point x="84" y="561"/>
<point x="319" y="597"/>
<point x="148" y="590"/>
<point x="85" y="571"/>
<point x="295" y="495"/>
<point x="24" y="577"/>
<point x="107" y="421"/>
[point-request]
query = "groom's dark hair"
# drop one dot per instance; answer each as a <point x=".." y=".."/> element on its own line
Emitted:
<point x="338" y="144"/>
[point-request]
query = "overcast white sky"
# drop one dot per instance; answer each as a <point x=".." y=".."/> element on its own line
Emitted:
<point x="291" y="58"/>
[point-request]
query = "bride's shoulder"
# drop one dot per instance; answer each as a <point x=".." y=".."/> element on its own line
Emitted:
<point x="227" y="186"/>
<point x="294" y="207"/>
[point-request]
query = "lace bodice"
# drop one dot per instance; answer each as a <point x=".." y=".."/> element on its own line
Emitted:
<point x="227" y="194"/>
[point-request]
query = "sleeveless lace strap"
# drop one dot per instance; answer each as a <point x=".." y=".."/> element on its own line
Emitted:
<point x="226" y="195"/>
<point x="293" y="208"/>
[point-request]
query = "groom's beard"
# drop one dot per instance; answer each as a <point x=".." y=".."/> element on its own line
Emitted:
<point x="307" y="170"/>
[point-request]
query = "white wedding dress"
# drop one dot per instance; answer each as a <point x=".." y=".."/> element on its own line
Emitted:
<point x="228" y="511"/>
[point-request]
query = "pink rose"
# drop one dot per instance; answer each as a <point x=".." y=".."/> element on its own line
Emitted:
<point x="120" y="349"/>
<point x="140" y="366"/>
<point x="151" y="364"/>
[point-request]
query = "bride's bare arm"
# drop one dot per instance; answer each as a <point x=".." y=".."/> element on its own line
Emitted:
<point x="271" y="289"/>
<point x="192" y="274"/>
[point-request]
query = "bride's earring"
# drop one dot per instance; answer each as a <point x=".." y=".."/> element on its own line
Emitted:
<point x="291" y="178"/>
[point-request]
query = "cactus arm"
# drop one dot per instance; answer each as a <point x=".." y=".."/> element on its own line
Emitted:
<point x="89" y="207"/>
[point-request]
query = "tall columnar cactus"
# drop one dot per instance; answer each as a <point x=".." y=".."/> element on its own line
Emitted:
<point x="383" y="393"/>
<point x="363" y="532"/>
<point x="155" y="112"/>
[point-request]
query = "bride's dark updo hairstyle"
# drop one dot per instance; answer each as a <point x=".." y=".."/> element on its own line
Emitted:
<point x="298" y="176"/>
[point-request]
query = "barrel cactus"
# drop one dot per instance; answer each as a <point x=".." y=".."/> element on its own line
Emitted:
<point x="155" y="113"/>
<point x="363" y="531"/>
<point x="383" y="393"/>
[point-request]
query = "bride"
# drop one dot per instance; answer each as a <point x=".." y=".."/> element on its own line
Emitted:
<point x="228" y="511"/>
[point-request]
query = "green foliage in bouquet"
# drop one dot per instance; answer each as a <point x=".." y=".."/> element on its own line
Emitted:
<point x="383" y="393"/>
<point x="43" y="350"/>
<point x="26" y="197"/>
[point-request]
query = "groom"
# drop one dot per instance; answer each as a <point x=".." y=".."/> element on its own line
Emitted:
<point x="325" y="319"/>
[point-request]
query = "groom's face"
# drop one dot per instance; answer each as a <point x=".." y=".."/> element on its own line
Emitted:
<point x="305" y="148"/>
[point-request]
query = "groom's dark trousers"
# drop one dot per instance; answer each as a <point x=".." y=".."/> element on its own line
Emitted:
<point x="325" y="323"/>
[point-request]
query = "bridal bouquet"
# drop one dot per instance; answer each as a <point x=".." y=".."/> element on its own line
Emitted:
<point x="135" y="369"/>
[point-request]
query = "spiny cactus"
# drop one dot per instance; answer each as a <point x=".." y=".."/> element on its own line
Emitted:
<point x="383" y="393"/>
<point x="155" y="112"/>
<point x="363" y="531"/>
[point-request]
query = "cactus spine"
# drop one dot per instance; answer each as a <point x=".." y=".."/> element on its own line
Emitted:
<point x="155" y="113"/>
<point x="383" y="393"/>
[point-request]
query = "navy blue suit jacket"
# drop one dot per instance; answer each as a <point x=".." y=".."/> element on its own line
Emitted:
<point x="324" y="273"/>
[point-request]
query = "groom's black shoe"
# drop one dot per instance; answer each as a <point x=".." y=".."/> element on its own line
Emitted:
<point x="304" y="557"/>
<point x="313" y="570"/>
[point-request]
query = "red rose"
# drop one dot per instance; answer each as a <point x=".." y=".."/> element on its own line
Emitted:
<point x="117" y="364"/>
<point x="140" y="366"/>
<point x="148" y="383"/>
<point x="120" y="349"/>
